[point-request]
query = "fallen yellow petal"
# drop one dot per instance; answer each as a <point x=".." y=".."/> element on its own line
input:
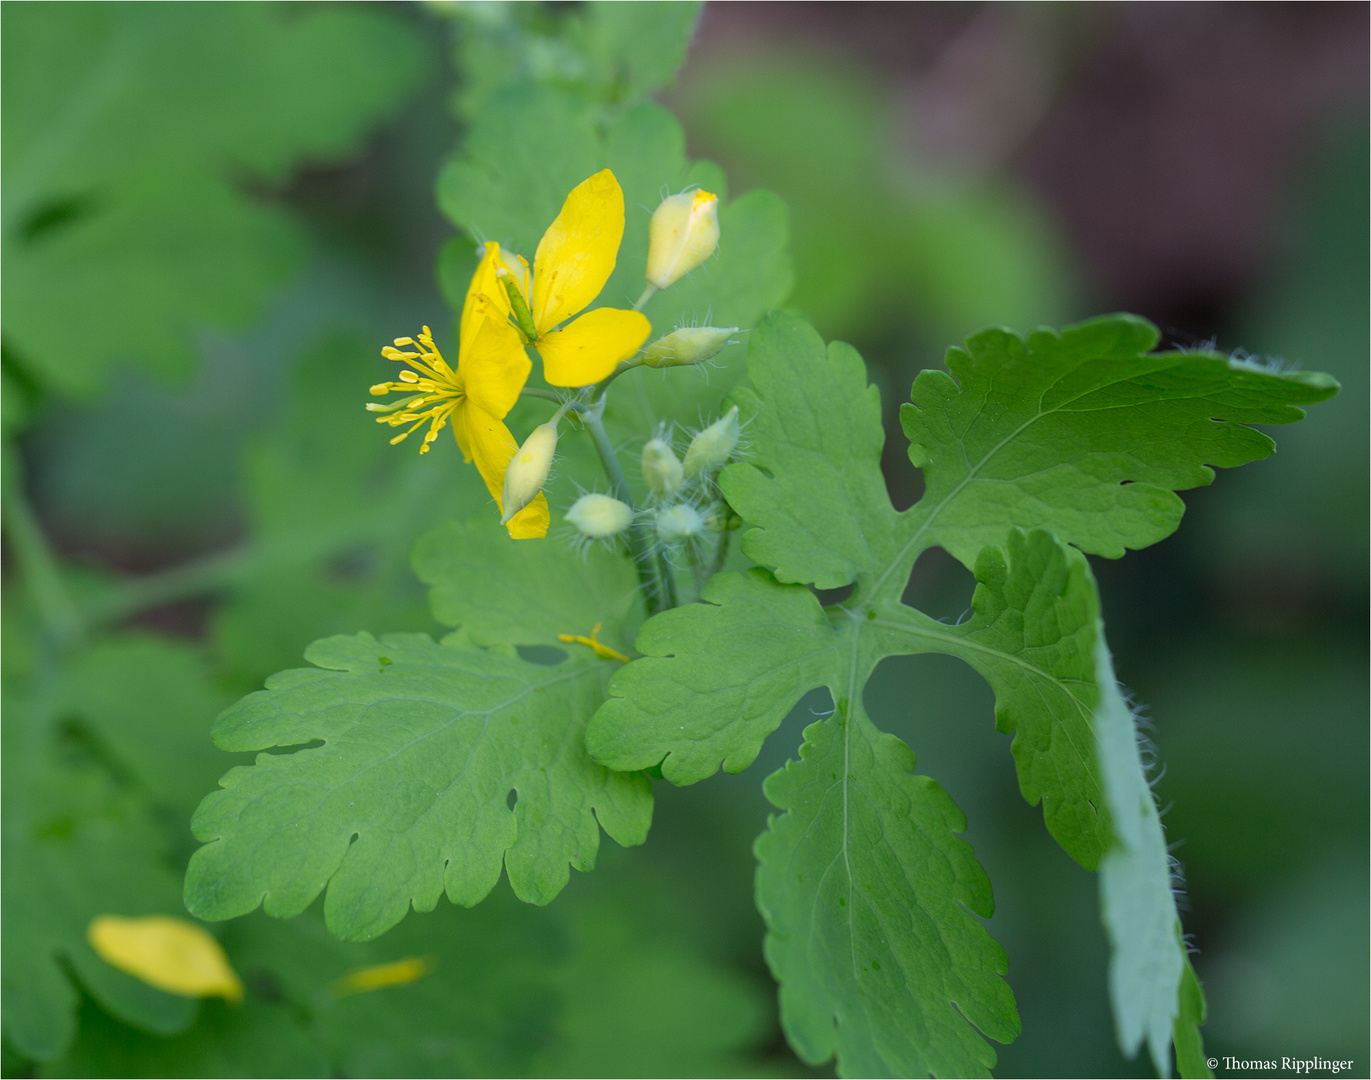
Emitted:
<point x="379" y="976"/>
<point x="171" y="954"/>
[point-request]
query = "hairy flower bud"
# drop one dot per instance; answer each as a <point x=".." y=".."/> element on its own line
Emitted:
<point x="661" y="468"/>
<point x="684" y="232"/>
<point x="679" y="522"/>
<point x="688" y="345"/>
<point x="599" y="516"/>
<point x="527" y="470"/>
<point x="710" y="449"/>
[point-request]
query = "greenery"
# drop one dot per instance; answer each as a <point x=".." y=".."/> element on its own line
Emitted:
<point x="406" y="811"/>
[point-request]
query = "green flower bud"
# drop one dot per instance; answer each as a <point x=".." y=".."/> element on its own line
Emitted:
<point x="599" y="516"/>
<point x="527" y="470"/>
<point x="688" y="345"/>
<point x="661" y="468"/>
<point x="710" y="449"/>
<point x="679" y="522"/>
<point x="684" y="232"/>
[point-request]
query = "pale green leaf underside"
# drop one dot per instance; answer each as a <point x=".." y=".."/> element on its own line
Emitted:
<point x="1147" y="958"/>
<point x="868" y="899"/>
<point x="407" y="797"/>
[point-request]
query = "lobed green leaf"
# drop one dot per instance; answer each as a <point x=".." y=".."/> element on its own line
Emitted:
<point x="869" y="901"/>
<point x="717" y="679"/>
<point x="1084" y="432"/>
<point x="406" y="797"/>
<point x="1032" y="637"/>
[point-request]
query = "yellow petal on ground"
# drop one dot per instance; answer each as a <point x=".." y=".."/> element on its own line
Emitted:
<point x="578" y="251"/>
<point x="493" y="366"/>
<point x="486" y="441"/>
<point x="171" y="954"/>
<point x="380" y="976"/>
<point x="587" y="350"/>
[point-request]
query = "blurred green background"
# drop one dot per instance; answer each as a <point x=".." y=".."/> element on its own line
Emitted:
<point x="946" y="166"/>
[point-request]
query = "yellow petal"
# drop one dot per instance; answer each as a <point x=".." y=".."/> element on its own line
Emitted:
<point x="484" y="283"/>
<point x="486" y="441"/>
<point x="492" y="364"/>
<point x="587" y="350"/>
<point x="577" y="253"/>
<point x="380" y="976"/>
<point x="171" y="954"/>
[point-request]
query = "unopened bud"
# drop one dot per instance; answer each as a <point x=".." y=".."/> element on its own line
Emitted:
<point x="679" y="522"/>
<point x="688" y="345"/>
<point x="661" y="468"/>
<point x="528" y="469"/>
<point x="599" y="516"/>
<point x="684" y="232"/>
<point x="710" y="449"/>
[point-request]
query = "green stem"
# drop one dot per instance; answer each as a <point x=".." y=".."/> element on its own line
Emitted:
<point x="38" y="565"/>
<point x="647" y="295"/>
<point x="598" y="390"/>
<point x="648" y="572"/>
<point x="198" y="578"/>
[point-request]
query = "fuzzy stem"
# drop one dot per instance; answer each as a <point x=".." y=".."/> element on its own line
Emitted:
<point x="649" y="574"/>
<point x="647" y="295"/>
<point x="546" y="395"/>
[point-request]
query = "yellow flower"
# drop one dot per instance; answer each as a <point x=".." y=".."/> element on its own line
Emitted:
<point x="572" y="264"/>
<point x="491" y="370"/>
<point x="171" y="954"/>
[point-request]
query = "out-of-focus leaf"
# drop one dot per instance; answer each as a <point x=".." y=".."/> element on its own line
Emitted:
<point x="151" y="703"/>
<point x="74" y="848"/>
<point x="407" y="796"/>
<point x="125" y="126"/>
<point x="252" y="1039"/>
<point x="640" y="1000"/>
<point x="877" y="238"/>
<point x="483" y="1002"/>
<point x="334" y="510"/>
<point x="608" y="52"/>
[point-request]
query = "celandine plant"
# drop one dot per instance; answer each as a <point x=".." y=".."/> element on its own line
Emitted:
<point x="679" y="586"/>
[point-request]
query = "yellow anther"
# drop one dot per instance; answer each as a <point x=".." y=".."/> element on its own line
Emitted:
<point x="601" y="650"/>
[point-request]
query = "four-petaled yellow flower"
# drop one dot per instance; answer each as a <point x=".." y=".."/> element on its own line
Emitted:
<point x="574" y="260"/>
<point x="491" y="370"/>
<point x="506" y="308"/>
